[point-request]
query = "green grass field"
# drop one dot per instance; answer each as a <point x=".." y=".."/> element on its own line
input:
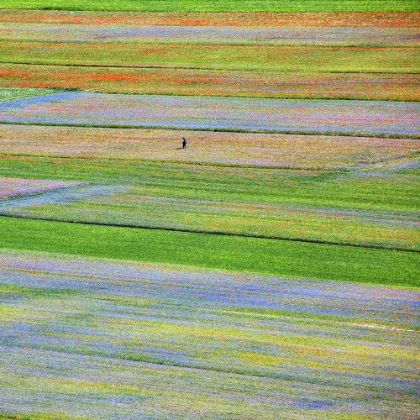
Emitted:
<point x="238" y="254"/>
<point x="224" y="5"/>
<point x="371" y="207"/>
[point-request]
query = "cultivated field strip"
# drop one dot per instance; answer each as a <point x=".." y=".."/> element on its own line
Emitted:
<point x="217" y="113"/>
<point x="248" y="149"/>
<point x="204" y="6"/>
<point x="285" y="35"/>
<point x="103" y="339"/>
<point x="245" y="19"/>
<point x="365" y="204"/>
<point x="124" y="205"/>
<point x="373" y="86"/>
<point x="288" y="55"/>
<point x="261" y="58"/>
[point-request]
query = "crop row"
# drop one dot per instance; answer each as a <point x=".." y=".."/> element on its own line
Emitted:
<point x="234" y="253"/>
<point x="325" y="225"/>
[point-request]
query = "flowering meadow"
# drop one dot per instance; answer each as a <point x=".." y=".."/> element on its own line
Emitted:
<point x="287" y="55"/>
<point x="91" y="338"/>
<point x="265" y="267"/>
<point x="261" y="58"/>
<point x="225" y="148"/>
<point x="403" y="87"/>
<point x="210" y="113"/>
<point x="284" y="35"/>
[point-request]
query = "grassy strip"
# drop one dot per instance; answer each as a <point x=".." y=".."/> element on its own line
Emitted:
<point x="331" y="189"/>
<point x="252" y="19"/>
<point x="40" y="416"/>
<point x="223" y="5"/>
<point x="218" y="130"/>
<point x="173" y="162"/>
<point x="301" y="317"/>
<point x="308" y="58"/>
<point x="326" y="207"/>
<point x="283" y="258"/>
<point x="210" y="231"/>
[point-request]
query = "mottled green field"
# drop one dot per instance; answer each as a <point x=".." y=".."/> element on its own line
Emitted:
<point x="374" y="206"/>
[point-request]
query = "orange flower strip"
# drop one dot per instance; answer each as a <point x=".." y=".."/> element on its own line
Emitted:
<point x="212" y="82"/>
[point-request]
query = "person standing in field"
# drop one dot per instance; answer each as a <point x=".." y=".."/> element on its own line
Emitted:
<point x="184" y="143"/>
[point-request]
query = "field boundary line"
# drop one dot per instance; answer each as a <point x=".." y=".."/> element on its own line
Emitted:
<point x="209" y="232"/>
<point x="224" y="69"/>
<point x="263" y="71"/>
